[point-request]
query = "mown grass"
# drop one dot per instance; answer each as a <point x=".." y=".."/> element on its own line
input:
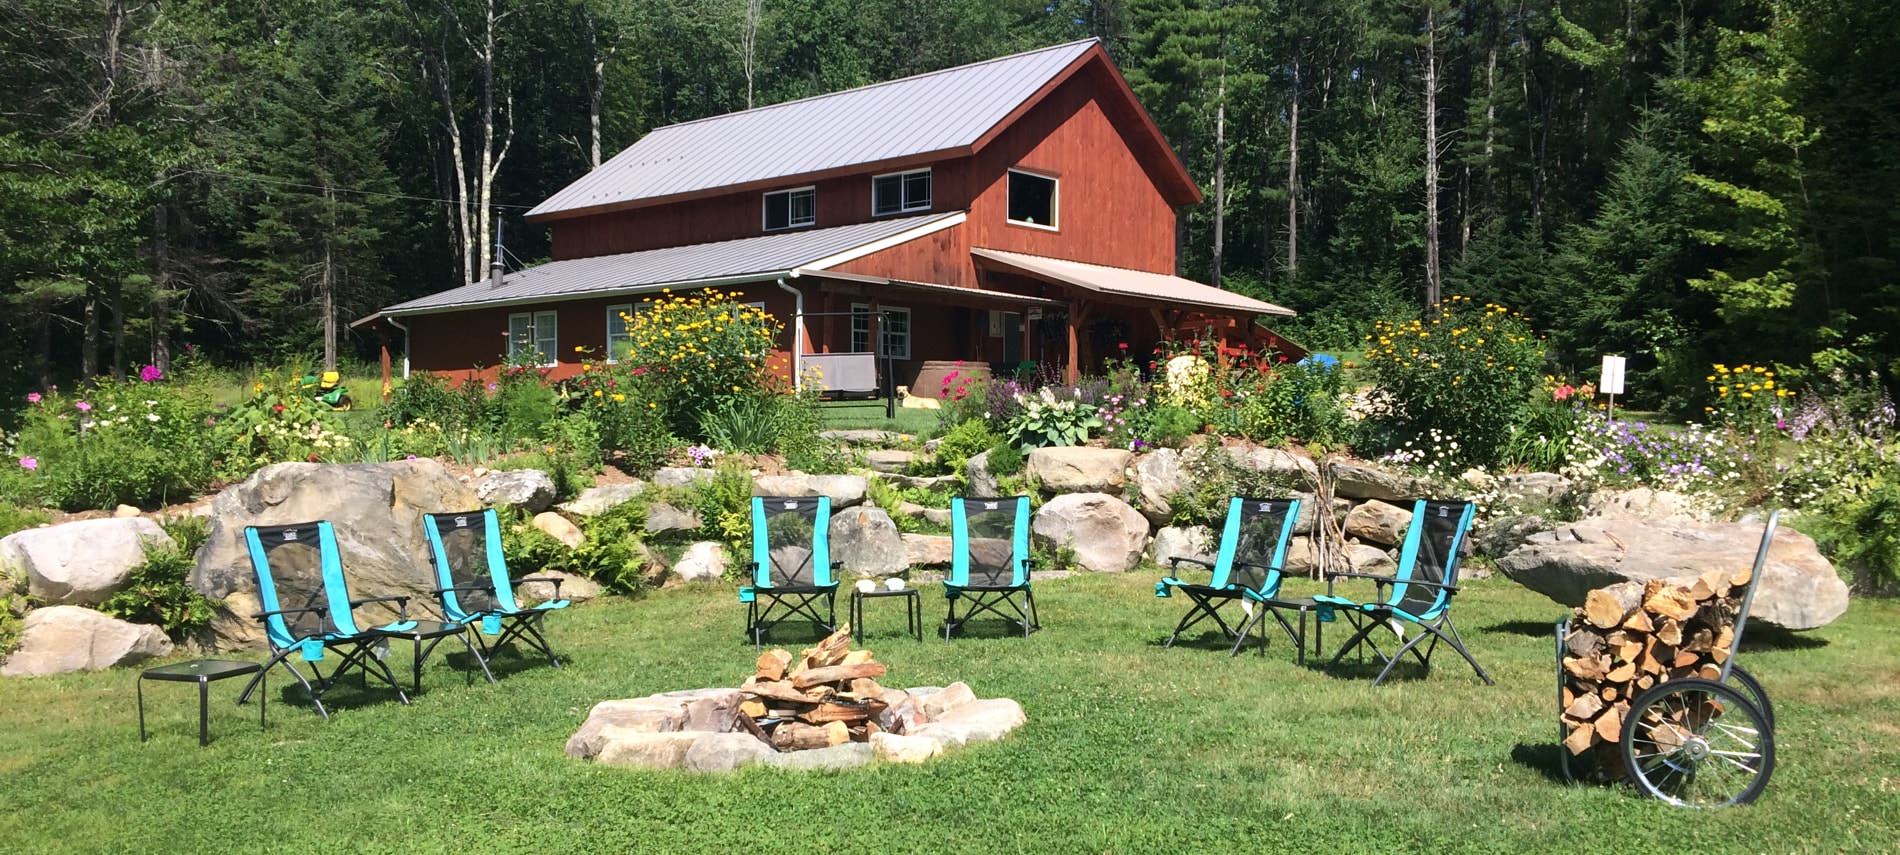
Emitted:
<point x="1129" y="748"/>
<point x="870" y="414"/>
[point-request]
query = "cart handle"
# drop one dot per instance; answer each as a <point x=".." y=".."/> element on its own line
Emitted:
<point x="1748" y="597"/>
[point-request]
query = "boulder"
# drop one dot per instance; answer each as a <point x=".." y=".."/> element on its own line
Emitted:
<point x="888" y="460"/>
<point x="705" y="561"/>
<point x="1106" y="534"/>
<point x="1195" y="541"/>
<point x="949" y="697"/>
<point x="126" y="511"/>
<point x="1295" y="469"/>
<point x="529" y="489"/>
<point x="1545" y="487"/>
<point x="1310" y="510"/>
<point x="864" y="541"/>
<point x="920" y="482"/>
<point x="937" y="516"/>
<point x="1301" y="556"/>
<point x="558" y="527"/>
<point x="865" y="436"/>
<point x="1362" y="558"/>
<point x="63" y="639"/>
<point x="574" y="589"/>
<point x="1080" y="468"/>
<point x="375" y="508"/>
<point x="594" y="501"/>
<point x="663" y="518"/>
<point x="844" y="490"/>
<point x="1643" y="503"/>
<point x="1159" y="477"/>
<point x="897" y="748"/>
<point x="975" y="721"/>
<point x="976" y="471"/>
<point x="79" y="563"/>
<point x="926" y="550"/>
<point x="724" y="752"/>
<point x="623" y="747"/>
<point x="1497" y="537"/>
<point x="1365" y="481"/>
<point x="680" y="476"/>
<point x="1377" y="522"/>
<point x="1799" y="589"/>
<point x="652" y="714"/>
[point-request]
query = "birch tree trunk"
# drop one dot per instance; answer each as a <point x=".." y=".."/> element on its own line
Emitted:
<point x="1220" y="166"/>
<point x="328" y="283"/>
<point x="1293" y="177"/>
<point x="749" y="44"/>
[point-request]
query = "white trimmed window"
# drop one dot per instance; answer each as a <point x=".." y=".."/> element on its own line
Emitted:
<point x="1032" y="199"/>
<point x="791" y="209"/>
<point x="619" y="330"/>
<point x="900" y="192"/>
<point x="533" y="337"/>
<point x="893" y="331"/>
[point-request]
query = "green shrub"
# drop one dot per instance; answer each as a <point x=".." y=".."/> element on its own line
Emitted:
<point x="1214" y="477"/>
<point x="1169" y="426"/>
<point x="426" y="397"/>
<point x="16" y="518"/>
<point x="724" y="505"/>
<point x="159" y="591"/>
<point x="1466" y="370"/>
<point x="524" y="404"/>
<point x="748" y="424"/>
<point x="610" y="555"/>
<point x="968" y="439"/>
<point x="799" y="422"/>
<point x="1049" y="419"/>
<point x="278" y="422"/>
<point x="1006" y="460"/>
<point x="119" y="442"/>
<point x="1864" y="535"/>
<point x="694" y="351"/>
<point x="12" y="612"/>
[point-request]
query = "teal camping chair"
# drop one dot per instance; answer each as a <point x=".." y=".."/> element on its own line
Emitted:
<point x="1419" y="593"/>
<point x="990" y="563"/>
<point x="791" y="565"/>
<point x="1247" y="570"/>
<point x="473" y="587"/>
<point x="307" y="610"/>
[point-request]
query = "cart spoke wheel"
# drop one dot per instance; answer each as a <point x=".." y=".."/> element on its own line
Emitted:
<point x="1699" y="743"/>
<point x="1744" y="682"/>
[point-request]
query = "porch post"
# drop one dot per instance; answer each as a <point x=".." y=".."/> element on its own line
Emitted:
<point x="1022" y="317"/>
<point x="1078" y="309"/>
<point x="382" y="345"/>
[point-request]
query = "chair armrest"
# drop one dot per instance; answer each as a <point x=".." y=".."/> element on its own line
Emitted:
<point x="486" y="589"/>
<point x="402" y="604"/>
<point x="279" y="612"/>
<point x="1377" y="580"/>
<point x="1449" y="589"/>
<point x="1175" y="562"/>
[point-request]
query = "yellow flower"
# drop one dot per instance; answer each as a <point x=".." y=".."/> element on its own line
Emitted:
<point x="618" y="397"/>
<point x="598" y="393"/>
<point x="580" y="348"/>
<point x="1710" y="378"/>
<point x="1748" y="394"/>
<point x="652" y="406"/>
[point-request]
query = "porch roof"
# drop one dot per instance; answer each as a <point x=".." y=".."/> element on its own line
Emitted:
<point x="750" y="259"/>
<point x="1123" y="282"/>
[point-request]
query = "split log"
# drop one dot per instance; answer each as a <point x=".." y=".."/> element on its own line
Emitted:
<point x="772" y="664"/>
<point x="830" y="712"/>
<point x="1602" y="609"/>
<point x="837" y="733"/>
<point x="778" y="690"/>
<point x="799" y="736"/>
<point x="836" y="674"/>
<point x="750" y="725"/>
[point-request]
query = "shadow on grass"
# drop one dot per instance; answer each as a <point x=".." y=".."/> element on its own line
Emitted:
<point x="1526" y="628"/>
<point x="354" y="691"/>
<point x="1760" y="637"/>
<point x="1543" y="758"/>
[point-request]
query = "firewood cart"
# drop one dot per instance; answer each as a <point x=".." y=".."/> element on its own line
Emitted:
<point x="1693" y="741"/>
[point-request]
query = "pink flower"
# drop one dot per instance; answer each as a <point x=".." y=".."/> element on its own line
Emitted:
<point x="29" y="463"/>
<point x="83" y="407"/>
<point x="32" y="397"/>
<point x="151" y="374"/>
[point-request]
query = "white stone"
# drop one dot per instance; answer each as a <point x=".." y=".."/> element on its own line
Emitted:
<point x="1194" y="541"/>
<point x="926" y="550"/>
<point x="704" y="561"/>
<point x="574" y="589"/>
<point x="1377" y="522"/>
<point x="82" y="562"/>
<point x="594" y="501"/>
<point x="663" y="518"/>
<point x="976" y="721"/>
<point x="946" y="699"/>
<point x="865" y="541"/>
<point x="846" y="756"/>
<point x="1159" y="477"/>
<point x="126" y="511"/>
<point x="888" y="460"/>
<point x="897" y="748"/>
<point x="1365" y="481"/>
<point x="63" y="639"/>
<point x="843" y="490"/>
<point x="556" y="526"/>
<point x="1361" y="558"/>
<point x="976" y="471"/>
<point x="680" y="476"/>
<point x="1106" y="534"/>
<point x="1297" y="470"/>
<point x="530" y="489"/>
<point x="724" y="752"/>
<point x="620" y="746"/>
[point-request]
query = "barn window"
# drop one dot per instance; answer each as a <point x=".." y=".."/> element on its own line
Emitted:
<point x="1032" y="199"/>
<point x="790" y="209"/>
<point x="900" y="192"/>
<point x="893" y="330"/>
<point x="533" y="338"/>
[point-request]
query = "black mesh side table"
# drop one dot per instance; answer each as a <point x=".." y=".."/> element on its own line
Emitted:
<point x="204" y="672"/>
<point x="913" y="610"/>
<point x="434" y="632"/>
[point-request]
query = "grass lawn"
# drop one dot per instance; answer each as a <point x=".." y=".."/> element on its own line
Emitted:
<point x="1129" y="748"/>
<point x="870" y="414"/>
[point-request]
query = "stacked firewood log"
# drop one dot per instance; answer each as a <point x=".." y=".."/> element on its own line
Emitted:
<point x="827" y="695"/>
<point x="1629" y="637"/>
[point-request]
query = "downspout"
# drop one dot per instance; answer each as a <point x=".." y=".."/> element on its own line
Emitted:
<point x="405" y="344"/>
<point x="798" y="330"/>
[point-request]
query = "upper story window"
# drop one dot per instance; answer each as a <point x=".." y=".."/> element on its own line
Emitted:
<point x="900" y="192"/>
<point x="1032" y="199"/>
<point x="790" y="209"/>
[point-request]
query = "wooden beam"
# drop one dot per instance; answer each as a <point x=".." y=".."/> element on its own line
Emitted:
<point x="1022" y="321"/>
<point x="382" y="342"/>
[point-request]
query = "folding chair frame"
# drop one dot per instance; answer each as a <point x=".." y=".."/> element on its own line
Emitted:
<point x="1368" y="617"/>
<point x="989" y="599"/>
<point x="783" y="603"/>
<point x="518" y="624"/>
<point x="760" y="617"/>
<point x="1207" y="600"/>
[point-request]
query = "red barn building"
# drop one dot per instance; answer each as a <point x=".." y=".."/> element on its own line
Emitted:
<point x="1016" y="210"/>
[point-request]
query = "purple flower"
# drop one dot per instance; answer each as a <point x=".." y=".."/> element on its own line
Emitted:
<point x="151" y="374"/>
<point x="410" y="457"/>
<point x="83" y="407"/>
<point x="29" y="463"/>
<point x="32" y="397"/>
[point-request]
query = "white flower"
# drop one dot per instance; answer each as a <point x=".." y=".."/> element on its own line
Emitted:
<point x="151" y="417"/>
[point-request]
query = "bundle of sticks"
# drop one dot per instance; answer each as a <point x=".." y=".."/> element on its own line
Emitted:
<point x="1629" y="637"/>
<point x="827" y="695"/>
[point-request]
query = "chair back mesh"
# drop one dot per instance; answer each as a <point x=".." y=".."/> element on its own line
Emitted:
<point x="790" y="542"/>
<point x="1261" y="529"/>
<point x="296" y="565"/>
<point x="989" y="542"/>
<point x="461" y="545"/>
<point x="1433" y="542"/>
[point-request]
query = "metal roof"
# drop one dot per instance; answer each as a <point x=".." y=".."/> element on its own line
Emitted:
<point x="1122" y="281"/>
<point x="744" y="259"/>
<point x="912" y="116"/>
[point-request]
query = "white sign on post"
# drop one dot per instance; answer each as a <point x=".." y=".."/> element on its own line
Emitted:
<point x="1611" y="383"/>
